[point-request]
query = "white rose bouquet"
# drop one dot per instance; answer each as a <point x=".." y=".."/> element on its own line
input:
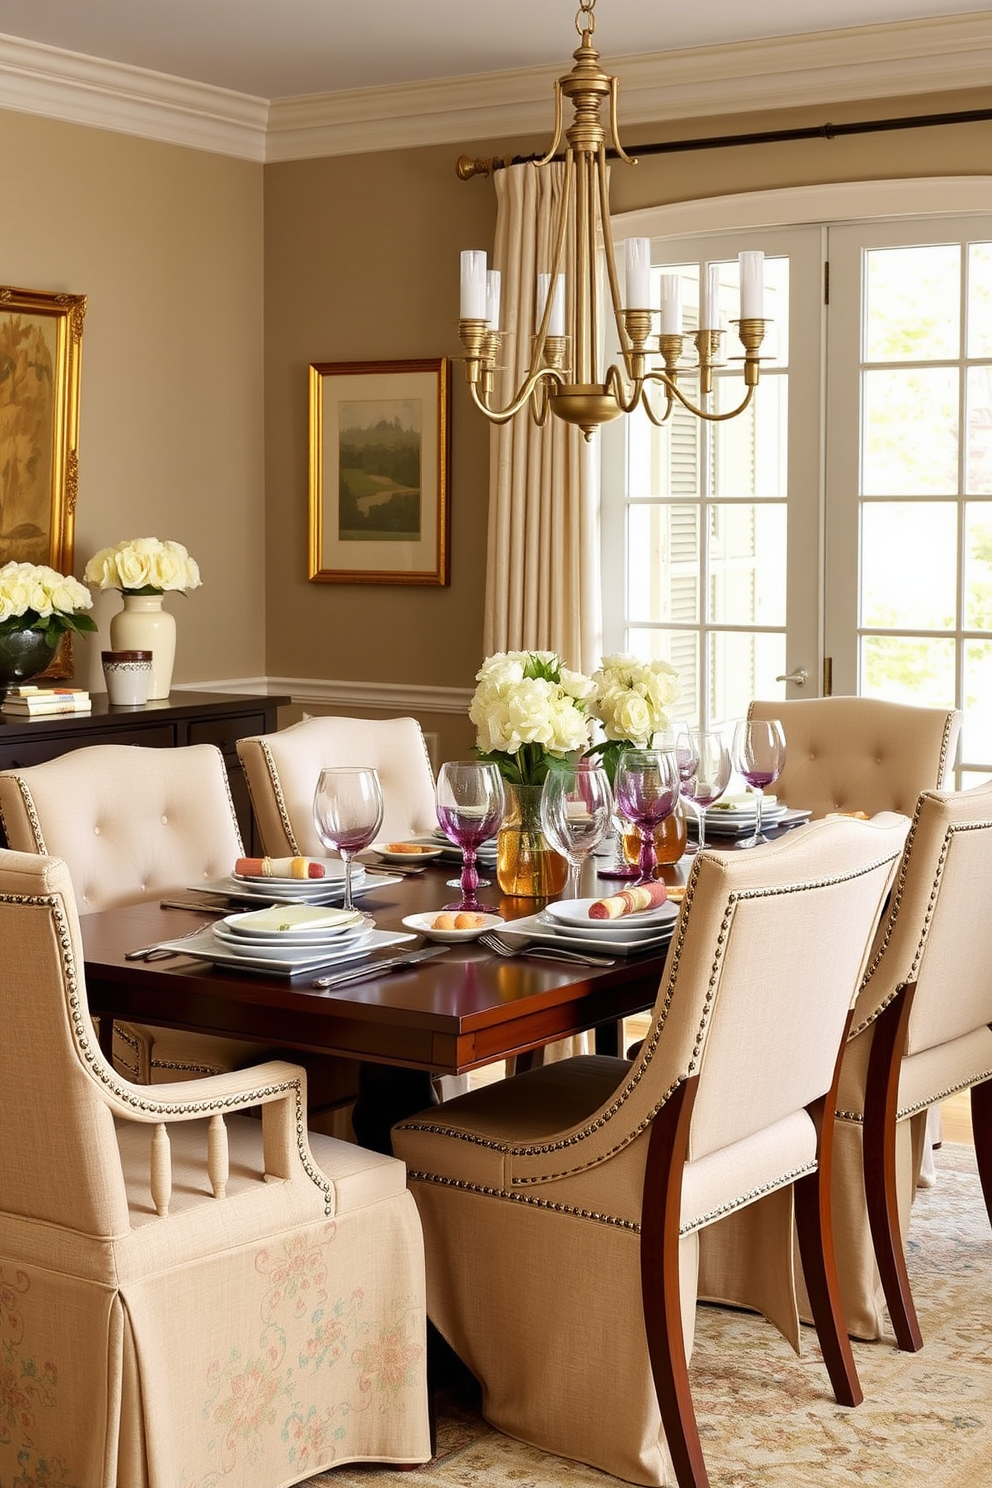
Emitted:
<point x="143" y="565"/>
<point x="34" y="597"/>
<point x="529" y="710"/>
<point x="631" y="700"/>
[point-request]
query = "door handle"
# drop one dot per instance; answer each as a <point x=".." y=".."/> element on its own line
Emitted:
<point x="800" y="677"/>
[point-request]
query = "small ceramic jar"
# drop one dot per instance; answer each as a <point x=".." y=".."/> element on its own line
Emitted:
<point x="127" y="674"/>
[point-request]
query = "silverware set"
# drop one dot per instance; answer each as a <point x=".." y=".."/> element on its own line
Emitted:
<point x="495" y="942"/>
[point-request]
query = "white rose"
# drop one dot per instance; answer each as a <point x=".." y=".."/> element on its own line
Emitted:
<point x="632" y="718"/>
<point x="530" y="711"/>
<point x="134" y="566"/>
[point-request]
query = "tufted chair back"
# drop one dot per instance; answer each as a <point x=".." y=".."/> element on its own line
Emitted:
<point x="130" y="822"/>
<point x="861" y="754"/>
<point x="282" y="770"/>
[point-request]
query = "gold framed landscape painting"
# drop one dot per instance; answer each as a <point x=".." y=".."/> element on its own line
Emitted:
<point x="40" y="346"/>
<point x="378" y="472"/>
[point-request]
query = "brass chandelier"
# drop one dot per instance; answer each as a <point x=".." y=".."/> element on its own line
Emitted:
<point x="563" y="374"/>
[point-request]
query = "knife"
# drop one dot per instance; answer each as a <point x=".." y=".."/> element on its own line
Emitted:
<point x="375" y="968"/>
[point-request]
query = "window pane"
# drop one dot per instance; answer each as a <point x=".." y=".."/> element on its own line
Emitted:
<point x="976" y="730"/>
<point x="979" y="474"/>
<point x="744" y="666"/>
<point x="978" y="566"/>
<point x="980" y="299"/>
<point x="905" y="669"/>
<point x="910" y="433"/>
<point x="747" y="577"/>
<point x="663" y="563"/>
<point x="750" y="452"/>
<point x="909" y="565"/>
<point x="680" y="648"/>
<point x="664" y="461"/>
<point x="912" y="303"/>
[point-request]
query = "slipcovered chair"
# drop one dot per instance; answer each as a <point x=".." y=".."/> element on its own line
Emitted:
<point x="133" y="823"/>
<point x="187" y="1295"/>
<point x="562" y="1208"/>
<point x="861" y="754"/>
<point x="921" y="1031"/>
<point x="282" y="770"/>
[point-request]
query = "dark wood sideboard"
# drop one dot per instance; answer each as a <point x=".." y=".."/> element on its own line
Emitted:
<point x="168" y="723"/>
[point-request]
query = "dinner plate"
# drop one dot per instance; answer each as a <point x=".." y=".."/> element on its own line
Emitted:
<point x="538" y="930"/>
<point x="632" y="927"/>
<point x="575" y="913"/>
<point x="206" y="946"/>
<point x="424" y="925"/>
<point x="296" y="922"/>
<point x="426" y="852"/>
<point x="250" y="950"/>
<point x="333" y="870"/>
<point x="270" y="890"/>
<point x="740" y="826"/>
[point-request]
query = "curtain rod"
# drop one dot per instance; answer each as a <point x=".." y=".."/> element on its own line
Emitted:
<point x="467" y="167"/>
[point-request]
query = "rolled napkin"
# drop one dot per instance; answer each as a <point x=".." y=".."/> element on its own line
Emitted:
<point x="629" y="901"/>
<point x="278" y="868"/>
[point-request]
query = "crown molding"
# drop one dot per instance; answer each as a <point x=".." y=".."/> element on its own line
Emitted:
<point x="37" y="79"/>
<point x="872" y="62"/>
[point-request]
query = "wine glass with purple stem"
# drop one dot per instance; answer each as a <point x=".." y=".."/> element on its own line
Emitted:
<point x="759" y="755"/>
<point x="646" y="789"/>
<point x="470" y="806"/>
<point x="709" y="779"/>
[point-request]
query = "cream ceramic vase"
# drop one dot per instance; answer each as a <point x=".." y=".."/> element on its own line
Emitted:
<point x="143" y="625"/>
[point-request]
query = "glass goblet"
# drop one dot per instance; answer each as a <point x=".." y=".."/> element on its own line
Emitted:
<point x="470" y="806"/>
<point x="759" y="754"/>
<point x="576" y="814"/>
<point x="347" y="812"/>
<point x="710" y="777"/>
<point x="647" y="788"/>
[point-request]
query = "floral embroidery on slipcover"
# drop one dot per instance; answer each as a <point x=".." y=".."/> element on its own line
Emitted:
<point x="26" y="1385"/>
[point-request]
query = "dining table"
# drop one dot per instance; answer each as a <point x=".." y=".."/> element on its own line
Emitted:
<point x="467" y="1008"/>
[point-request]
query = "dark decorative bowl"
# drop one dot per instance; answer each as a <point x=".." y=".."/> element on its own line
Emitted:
<point x="23" y="654"/>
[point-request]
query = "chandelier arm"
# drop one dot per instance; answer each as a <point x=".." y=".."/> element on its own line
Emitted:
<point x="711" y="418"/>
<point x="611" y="258"/>
<point x="558" y="123"/>
<point x="615" y="122"/>
<point x="614" y="386"/>
<point x="531" y="381"/>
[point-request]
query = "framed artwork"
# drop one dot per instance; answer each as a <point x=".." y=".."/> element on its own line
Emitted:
<point x="378" y="480"/>
<point x="40" y="345"/>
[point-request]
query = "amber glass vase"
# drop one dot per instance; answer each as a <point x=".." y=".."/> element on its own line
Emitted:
<point x="670" y="837"/>
<point x="526" y="867"/>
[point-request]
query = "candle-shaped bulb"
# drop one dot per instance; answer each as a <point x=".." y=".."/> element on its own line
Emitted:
<point x="492" y="298"/>
<point x="473" y="299"/>
<point x="556" y="325"/>
<point x="638" y="273"/>
<point x="709" y="305"/>
<point x="752" y="286"/>
<point x="671" y="305"/>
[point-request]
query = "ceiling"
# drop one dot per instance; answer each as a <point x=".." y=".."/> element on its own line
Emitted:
<point x="272" y="49"/>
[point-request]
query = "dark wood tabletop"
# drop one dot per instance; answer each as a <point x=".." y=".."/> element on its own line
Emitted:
<point x="465" y="1009"/>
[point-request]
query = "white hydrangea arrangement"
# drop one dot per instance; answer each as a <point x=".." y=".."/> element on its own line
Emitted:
<point x="631" y="700"/>
<point x="529" y="710"/>
<point x="35" y="597"/>
<point x="143" y="565"/>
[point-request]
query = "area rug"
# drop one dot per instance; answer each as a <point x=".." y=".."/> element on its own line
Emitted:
<point x="767" y="1419"/>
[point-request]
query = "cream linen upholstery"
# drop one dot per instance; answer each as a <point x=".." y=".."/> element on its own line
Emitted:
<point x="266" y="1323"/>
<point x="921" y="1021"/>
<point x="543" y="1198"/>
<point x="861" y="754"/>
<point x="132" y="824"/>
<point x="282" y="770"/>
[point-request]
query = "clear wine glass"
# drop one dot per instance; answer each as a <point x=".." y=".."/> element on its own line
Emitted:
<point x="576" y="814"/>
<point x="710" y="777"/>
<point x="347" y="812"/>
<point x="470" y="806"/>
<point x="647" y="788"/>
<point x="759" y="754"/>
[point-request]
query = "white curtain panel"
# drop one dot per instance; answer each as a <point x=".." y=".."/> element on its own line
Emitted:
<point x="543" y="575"/>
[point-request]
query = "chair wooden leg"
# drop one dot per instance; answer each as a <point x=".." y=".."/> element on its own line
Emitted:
<point x="879" y="1143"/>
<point x="814" y="1228"/>
<point x="981" y="1122"/>
<point x="660" y="1287"/>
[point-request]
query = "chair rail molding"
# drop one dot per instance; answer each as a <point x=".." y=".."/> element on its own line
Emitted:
<point x="392" y="697"/>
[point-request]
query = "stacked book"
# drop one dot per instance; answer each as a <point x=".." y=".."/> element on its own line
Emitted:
<point x="44" y="702"/>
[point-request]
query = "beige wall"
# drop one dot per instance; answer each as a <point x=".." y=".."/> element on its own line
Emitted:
<point x="166" y="243"/>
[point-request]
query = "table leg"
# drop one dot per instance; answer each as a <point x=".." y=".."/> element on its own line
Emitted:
<point x="386" y="1094"/>
<point x="608" y="1039"/>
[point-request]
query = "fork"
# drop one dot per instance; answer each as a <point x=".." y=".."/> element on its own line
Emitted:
<point x="494" y="942"/>
<point x="158" y="952"/>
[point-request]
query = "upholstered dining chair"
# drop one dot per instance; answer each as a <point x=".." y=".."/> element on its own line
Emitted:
<point x="187" y="1294"/>
<point x="861" y="754"/>
<point x="133" y="823"/>
<point x="282" y="770"/>
<point x="562" y="1208"/>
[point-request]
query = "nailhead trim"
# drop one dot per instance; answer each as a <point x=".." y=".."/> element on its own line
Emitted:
<point x="270" y="765"/>
<point x="126" y="1093"/>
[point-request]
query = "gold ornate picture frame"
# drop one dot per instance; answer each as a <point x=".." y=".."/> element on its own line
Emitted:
<point x="378" y="472"/>
<point x="40" y="348"/>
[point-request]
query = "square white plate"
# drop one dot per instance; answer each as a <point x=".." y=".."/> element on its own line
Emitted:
<point x="207" y="947"/>
<point x="320" y="893"/>
<point x="541" y="931"/>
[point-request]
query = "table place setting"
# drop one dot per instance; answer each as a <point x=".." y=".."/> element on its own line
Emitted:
<point x="635" y="920"/>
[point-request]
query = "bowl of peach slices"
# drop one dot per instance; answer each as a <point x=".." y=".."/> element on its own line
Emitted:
<point x="452" y="925"/>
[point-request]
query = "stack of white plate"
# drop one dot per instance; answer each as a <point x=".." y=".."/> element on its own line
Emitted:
<point x="289" y="932"/>
<point x="736" y="817"/>
<point x="295" y="890"/>
<point x="486" y="852"/>
<point x="566" y="922"/>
